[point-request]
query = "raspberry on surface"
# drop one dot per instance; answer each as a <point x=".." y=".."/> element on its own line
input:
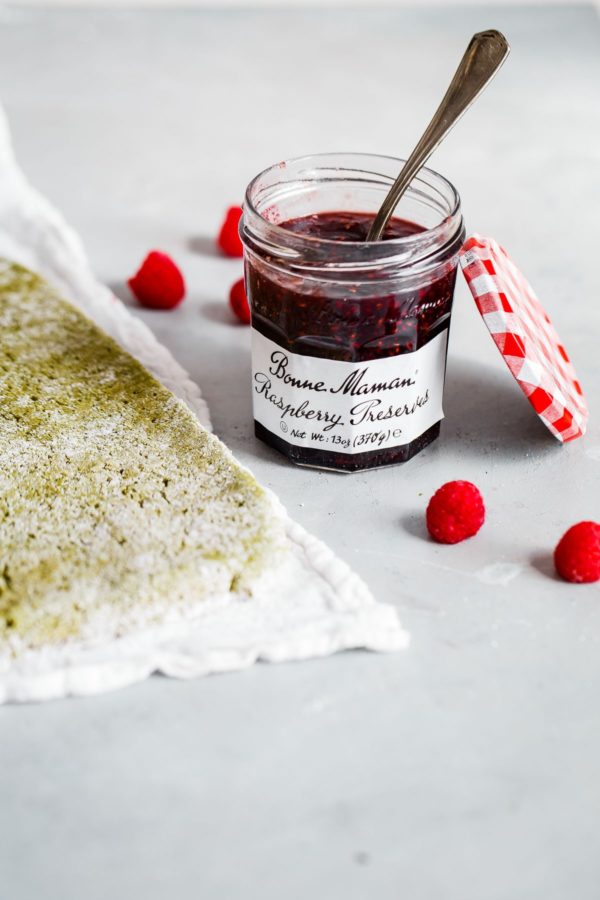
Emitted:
<point x="577" y="554"/>
<point x="239" y="301"/>
<point x="455" y="512"/>
<point x="228" y="239"/>
<point x="158" y="284"/>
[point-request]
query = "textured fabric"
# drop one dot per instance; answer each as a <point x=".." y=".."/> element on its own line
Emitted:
<point x="312" y="604"/>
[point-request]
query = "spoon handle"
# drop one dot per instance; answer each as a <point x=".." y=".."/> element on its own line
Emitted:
<point x="483" y="57"/>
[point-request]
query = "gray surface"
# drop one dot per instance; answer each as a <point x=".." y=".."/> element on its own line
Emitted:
<point x="466" y="768"/>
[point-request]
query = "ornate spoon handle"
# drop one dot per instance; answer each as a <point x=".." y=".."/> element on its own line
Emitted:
<point x="483" y="57"/>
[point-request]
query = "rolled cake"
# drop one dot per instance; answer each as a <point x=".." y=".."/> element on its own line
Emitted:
<point x="112" y="495"/>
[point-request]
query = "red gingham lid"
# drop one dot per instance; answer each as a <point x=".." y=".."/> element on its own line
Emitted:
<point x="525" y="337"/>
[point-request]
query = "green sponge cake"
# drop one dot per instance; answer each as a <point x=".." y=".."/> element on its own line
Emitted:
<point x="116" y="507"/>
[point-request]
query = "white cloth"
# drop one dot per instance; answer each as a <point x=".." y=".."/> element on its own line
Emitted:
<point x="312" y="605"/>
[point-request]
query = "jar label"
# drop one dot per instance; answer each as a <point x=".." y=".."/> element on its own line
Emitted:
<point x="347" y="407"/>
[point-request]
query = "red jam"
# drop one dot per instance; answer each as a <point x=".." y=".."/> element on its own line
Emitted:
<point x="349" y="329"/>
<point x="347" y="226"/>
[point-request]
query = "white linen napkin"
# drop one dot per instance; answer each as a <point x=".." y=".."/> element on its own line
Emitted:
<point x="312" y="605"/>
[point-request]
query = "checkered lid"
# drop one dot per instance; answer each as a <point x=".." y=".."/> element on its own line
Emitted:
<point x="525" y="337"/>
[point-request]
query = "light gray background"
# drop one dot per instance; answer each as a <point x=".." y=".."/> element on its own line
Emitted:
<point x="467" y="767"/>
<point x="279" y="4"/>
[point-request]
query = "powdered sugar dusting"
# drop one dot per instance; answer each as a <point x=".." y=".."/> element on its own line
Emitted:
<point x="306" y="603"/>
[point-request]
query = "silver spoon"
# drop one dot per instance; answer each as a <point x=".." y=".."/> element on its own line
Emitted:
<point x="483" y="57"/>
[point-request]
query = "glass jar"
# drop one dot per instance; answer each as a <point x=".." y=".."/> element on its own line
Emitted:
<point x="349" y="337"/>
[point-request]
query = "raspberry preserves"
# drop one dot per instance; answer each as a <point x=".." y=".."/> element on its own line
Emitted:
<point x="349" y="337"/>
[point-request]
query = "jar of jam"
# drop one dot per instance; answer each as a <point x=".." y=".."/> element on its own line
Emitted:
<point x="349" y="337"/>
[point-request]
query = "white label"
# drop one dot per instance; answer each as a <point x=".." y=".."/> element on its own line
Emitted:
<point x="347" y="407"/>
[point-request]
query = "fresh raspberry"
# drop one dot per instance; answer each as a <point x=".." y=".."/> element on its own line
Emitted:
<point x="159" y="283"/>
<point x="239" y="302"/>
<point x="228" y="240"/>
<point x="577" y="554"/>
<point x="455" y="512"/>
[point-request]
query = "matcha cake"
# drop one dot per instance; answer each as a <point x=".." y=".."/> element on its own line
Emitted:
<point x="117" y="509"/>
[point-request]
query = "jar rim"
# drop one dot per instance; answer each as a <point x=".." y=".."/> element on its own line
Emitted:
<point x="390" y="243"/>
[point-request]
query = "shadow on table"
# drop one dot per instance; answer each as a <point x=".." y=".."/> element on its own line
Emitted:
<point x="204" y="246"/>
<point x="544" y="563"/>
<point x="486" y="412"/>
<point x="219" y="311"/>
<point x="413" y="523"/>
<point x="121" y="290"/>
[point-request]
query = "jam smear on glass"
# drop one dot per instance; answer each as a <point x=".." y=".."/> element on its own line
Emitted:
<point x="353" y="325"/>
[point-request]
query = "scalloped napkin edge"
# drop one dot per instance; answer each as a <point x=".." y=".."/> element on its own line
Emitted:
<point x="312" y="605"/>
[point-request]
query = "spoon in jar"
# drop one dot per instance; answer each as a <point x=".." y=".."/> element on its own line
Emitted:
<point x="483" y="57"/>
